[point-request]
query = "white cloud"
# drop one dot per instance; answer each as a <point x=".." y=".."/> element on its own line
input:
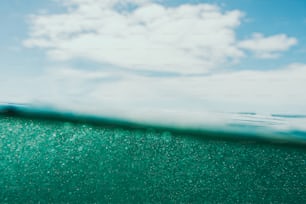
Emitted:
<point x="268" y="47"/>
<point x="278" y="91"/>
<point x="145" y="35"/>
<point x="185" y="39"/>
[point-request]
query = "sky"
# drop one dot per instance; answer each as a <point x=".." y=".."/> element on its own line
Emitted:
<point x="153" y="58"/>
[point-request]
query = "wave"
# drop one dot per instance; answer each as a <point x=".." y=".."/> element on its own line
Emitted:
<point x="274" y="128"/>
<point x="55" y="156"/>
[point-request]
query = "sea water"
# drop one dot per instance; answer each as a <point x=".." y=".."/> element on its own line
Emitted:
<point x="62" y="158"/>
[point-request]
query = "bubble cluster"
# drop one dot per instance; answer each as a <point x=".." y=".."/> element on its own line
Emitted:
<point x="52" y="162"/>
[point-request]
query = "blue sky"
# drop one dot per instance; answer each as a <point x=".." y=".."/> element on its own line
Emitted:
<point x="70" y="56"/>
<point x="269" y="17"/>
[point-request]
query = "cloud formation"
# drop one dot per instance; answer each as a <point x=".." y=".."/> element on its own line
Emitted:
<point x="121" y="93"/>
<point x="268" y="47"/>
<point x="145" y="35"/>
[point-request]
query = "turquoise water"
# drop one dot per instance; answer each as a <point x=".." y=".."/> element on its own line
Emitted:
<point x="71" y="160"/>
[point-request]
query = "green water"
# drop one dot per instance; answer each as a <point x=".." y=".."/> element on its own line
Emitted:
<point x="61" y="162"/>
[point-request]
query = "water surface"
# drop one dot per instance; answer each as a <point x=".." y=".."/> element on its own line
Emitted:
<point x="53" y="159"/>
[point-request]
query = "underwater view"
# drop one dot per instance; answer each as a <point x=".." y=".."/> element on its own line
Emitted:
<point x="52" y="157"/>
<point x="152" y="101"/>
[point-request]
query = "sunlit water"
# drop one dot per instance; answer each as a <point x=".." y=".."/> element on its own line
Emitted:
<point x="52" y="157"/>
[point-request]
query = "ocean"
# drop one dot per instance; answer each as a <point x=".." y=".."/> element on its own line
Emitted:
<point x="58" y="157"/>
